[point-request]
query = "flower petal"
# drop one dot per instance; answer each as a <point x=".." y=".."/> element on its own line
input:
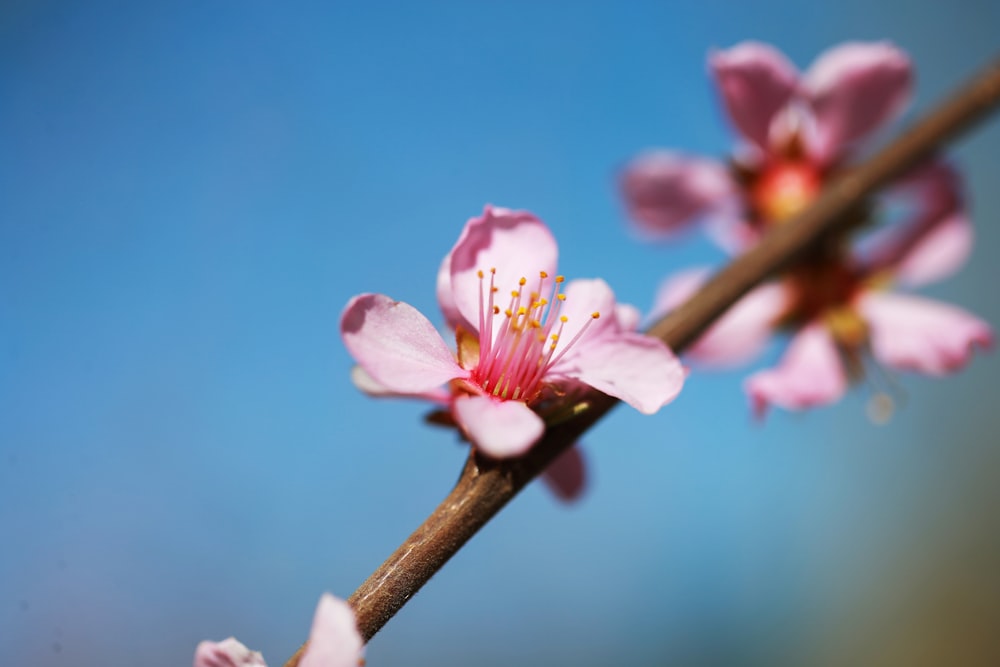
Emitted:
<point x="666" y="192"/>
<point x="584" y="297"/>
<point x="566" y="477"/>
<point x="398" y="347"/>
<point x="369" y="385"/>
<point x="939" y="253"/>
<point x="923" y="335"/>
<point x="334" y="640"/>
<point x="515" y="243"/>
<point x="741" y="333"/>
<point x="227" y="653"/>
<point x="853" y="89"/>
<point x="638" y="369"/>
<point x="500" y="429"/>
<point x="810" y="373"/>
<point x="756" y="81"/>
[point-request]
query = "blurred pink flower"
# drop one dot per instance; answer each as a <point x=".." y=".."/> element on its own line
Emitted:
<point x="840" y="312"/>
<point x="334" y="641"/>
<point x="796" y="131"/>
<point x="526" y="341"/>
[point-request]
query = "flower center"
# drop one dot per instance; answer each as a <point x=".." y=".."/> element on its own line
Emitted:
<point x="520" y="343"/>
<point x="783" y="189"/>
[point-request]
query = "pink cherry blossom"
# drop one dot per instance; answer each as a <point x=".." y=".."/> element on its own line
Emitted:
<point x="527" y="341"/>
<point x="839" y="309"/>
<point x="334" y="641"/>
<point x="796" y="131"/>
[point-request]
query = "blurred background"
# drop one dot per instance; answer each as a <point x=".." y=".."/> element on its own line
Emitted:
<point x="191" y="191"/>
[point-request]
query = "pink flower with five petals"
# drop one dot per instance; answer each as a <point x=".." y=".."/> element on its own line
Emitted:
<point x="526" y="340"/>
<point x="797" y="130"/>
<point x="334" y="641"/>
<point x="839" y="309"/>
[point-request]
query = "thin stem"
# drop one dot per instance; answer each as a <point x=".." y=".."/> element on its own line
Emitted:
<point x="485" y="486"/>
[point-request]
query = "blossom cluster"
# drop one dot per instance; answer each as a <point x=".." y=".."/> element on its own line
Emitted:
<point x="838" y="303"/>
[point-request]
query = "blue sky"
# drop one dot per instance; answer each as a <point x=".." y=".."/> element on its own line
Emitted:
<point x="191" y="191"/>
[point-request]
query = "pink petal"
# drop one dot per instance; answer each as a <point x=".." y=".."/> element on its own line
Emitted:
<point x="913" y="333"/>
<point x="734" y="235"/>
<point x="566" y="477"/>
<point x="638" y="369"/>
<point x="515" y="243"/>
<point x="369" y="385"/>
<point x="627" y="317"/>
<point x="810" y="374"/>
<point x="397" y="346"/>
<point x="334" y="640"/>
<point x="665" y="192"/>
<point x="227" y="653"/>
<point x="740" y="334"/>
<point x="756" y="81"/>
<point x="939" y="253"/>
<point x="446" y="297"/>
<point x="500" y="429"/>
<point x="853" y="89"/>
<point x="585" y="297"/>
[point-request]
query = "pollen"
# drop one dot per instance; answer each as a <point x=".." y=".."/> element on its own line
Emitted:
<point x="517" y="351"/>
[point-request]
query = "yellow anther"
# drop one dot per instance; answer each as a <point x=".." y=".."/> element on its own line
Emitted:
<point x="561" y="297"/>
<point x="535" y="324"/>
<point x="496" y="310"/>
<point x="543" y="274"/>
<point x="595" y="314"/>
<point x="542" y="303"/>
<point x="522" y="281"/>
<point x="515" y="293"/>
<point x="493" y="270"/>
<point x="554" y="337"/>
<point x="508" y="313"/>
<point x="479" y="273"/>
<point x="494" y="289"/>
<point x="522" y="310"/>
<point x="560" y="279"/>
<point x="563" y="319"/>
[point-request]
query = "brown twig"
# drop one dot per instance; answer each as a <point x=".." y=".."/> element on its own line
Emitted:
<point x="485" y="486"/>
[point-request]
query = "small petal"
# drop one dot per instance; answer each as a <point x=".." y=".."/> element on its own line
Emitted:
<point x="369" y="385"/>
<point x="923" y="335"/>
<point x="566" y="477"/>
<point x="666" y="192"/>
<point x="446" y="297"/>
<point x="756" y="81"/>
<point x="334" y="640"/>
<point x="939" y="253"/>
<point x="627" y="316"/>
<point x="638" y="369"/>
<point x="227" y="653"/>
<point x="515" y="243"/>
<point x="398" y="347"/>
<point x="853" y="89"/>
<point x="740" y="334"/>
<point x="500" y="429"/>
<point x="810" y="374"/>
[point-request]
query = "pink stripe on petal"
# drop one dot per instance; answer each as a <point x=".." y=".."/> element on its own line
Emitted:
<point x="853" y="89"/>
<point x="756" y="81"/>
<point x="566" y="477"/>
<point x="809" y="374"/>
<point x="334" y="640"/>
<point x="666" y="192"/>
<point x="499" y="429"/>
<point x="397" y="346"/>
<point x="923" y="335"/>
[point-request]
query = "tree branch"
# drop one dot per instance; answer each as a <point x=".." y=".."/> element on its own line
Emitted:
<point x="485" y="486"/>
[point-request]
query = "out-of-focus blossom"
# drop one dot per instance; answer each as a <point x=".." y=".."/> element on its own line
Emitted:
<point x="841" y="313"/>
<point x="796" y="131"/>
<point x="334" y="641"/>
<point x="527" y="342"/>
